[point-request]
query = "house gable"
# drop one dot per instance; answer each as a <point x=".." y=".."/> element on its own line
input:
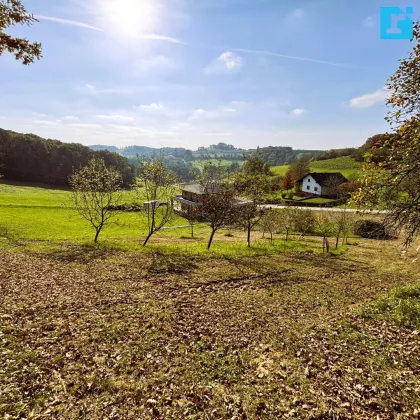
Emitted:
<point x="311" y="186"/>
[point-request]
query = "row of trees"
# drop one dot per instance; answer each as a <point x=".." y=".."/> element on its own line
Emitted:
<point x="236" y="204"/>
<point x="27" y="157"/>
<point x="338" y="224"/>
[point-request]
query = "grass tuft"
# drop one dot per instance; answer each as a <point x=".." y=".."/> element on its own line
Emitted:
<point x="401" y="306"/>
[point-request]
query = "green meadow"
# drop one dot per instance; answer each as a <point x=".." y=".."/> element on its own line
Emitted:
<point x="346" y="165"/>
<point x="39" y="218"/>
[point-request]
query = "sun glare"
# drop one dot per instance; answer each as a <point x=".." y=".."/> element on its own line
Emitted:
<point x="130" y="17"/>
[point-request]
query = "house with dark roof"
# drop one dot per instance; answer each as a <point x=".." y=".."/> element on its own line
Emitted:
<point x="193" y="195"/>
<point x="321" y="183"/>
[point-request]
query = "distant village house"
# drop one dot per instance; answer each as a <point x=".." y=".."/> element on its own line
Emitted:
<point x="321" y="184"/>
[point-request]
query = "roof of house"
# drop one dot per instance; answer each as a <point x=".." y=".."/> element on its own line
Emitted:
<point x="322" y="177"/>
<point x="200" y="189"/>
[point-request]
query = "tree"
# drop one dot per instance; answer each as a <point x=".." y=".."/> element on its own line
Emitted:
<point x="219" y="206"/>
<point x="303" y="221"/>
<point x="324" y="226"/>
<point x="270" y="222"/>
<point x="298" y="169"/>
<point x="12" y="12"/>
<point x="158" y="185"/>
<point x="288" y="181"/>
<point x="96" y="188"/>
<point x="255" y="165"/>
<point x="252" y="183"/>
<point x="395" y="182"/>
<point x="287" y="217"/>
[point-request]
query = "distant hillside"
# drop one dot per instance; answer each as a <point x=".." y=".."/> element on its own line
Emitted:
<point x="274" y="155"/>
<point x="27" y="157"/>
<point x="346" y="165"/>
<point x="280" y="155"/>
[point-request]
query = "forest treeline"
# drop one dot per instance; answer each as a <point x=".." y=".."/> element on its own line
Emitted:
<point x="27" y="157"/>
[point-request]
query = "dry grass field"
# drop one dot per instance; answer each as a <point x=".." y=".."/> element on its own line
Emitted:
<point x="102" y="334"/>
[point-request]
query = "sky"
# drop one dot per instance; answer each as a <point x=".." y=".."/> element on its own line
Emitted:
<point x="187" y="73"/>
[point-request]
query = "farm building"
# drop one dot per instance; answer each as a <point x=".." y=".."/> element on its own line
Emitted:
<point x="321" y="183"/>
<point x="193" y="195"/>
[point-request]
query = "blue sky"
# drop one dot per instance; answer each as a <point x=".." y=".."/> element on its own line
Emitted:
<point x="188" y="73"/>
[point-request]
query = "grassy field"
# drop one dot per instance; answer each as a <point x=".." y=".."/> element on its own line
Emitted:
<point x="43" y="219"/>
<point x="346" y="165"/>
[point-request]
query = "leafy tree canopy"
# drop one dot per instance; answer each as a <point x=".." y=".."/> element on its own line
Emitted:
<point x="12" y="13"/>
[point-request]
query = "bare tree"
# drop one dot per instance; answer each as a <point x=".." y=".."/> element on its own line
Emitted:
<point x="158" y="185"/>
<point x="342" y="221"/>
<point x="333" y="187"/>
<point x="96" y="188"/>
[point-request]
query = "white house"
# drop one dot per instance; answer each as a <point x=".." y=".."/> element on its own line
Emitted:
<point x="321" y="183"/>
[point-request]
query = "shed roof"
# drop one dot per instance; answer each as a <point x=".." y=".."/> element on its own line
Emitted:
<point x="210" y="188"/>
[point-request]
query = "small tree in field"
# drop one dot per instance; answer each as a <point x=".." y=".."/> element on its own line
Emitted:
<point x="219" y="207"/>
<point x="343" y="222"/>
<point x="158" y="185"/>
<point x="252" y="183"/>
<point x="324" y="226"/>
<point x="96" y="188"/>
<point x="287" y="220"/>
<point x="270" y="222"/>
<point x="12" y="12"/>
<point x="303" y="221"/>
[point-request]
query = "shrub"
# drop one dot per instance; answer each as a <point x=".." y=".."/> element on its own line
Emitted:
<point x="290" y="195"/>
<point x="371" y="229"/>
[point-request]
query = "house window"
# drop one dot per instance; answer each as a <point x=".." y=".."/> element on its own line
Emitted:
<point x="309" y="179"/>
<point x="316" y="189"/>
<point x="308" y="187"/>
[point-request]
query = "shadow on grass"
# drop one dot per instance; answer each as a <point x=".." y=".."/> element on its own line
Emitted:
<point x="83" y="253"/>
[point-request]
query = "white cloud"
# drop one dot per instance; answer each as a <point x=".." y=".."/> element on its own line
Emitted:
<point x="368" y="22"/>
<point x="231" y="60"/>
<point x="298" y="112"/>
<point x="202" y="114"/>
<point x="68" y="22"/>
<point x="37" y="114"/>
<point x="151" y="107"/>
<point x="70" y="118"/>
<point x="370" y="99"/>
<point x="146" y="36"/>
<point x="94" y="90"/>
<point x="226" y="62"/>
<point x="291" y="57"/>
<point x="47" y="122"/>
<point x="157" y="37"/>
<point x="118" y="118"/>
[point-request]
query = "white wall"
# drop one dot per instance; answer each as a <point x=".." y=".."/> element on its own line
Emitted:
<point x="308" y="181"/>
